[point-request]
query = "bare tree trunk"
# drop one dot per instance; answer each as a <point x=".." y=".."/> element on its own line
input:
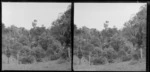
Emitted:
<point x="8" y="54"/>
<point x="35" y="59"/>
<point x="90" y="58"/>
<point x="80" y="61"/>
<point x="8" y="60"/>
<point x="69" y="53"/>
<point x="17" y="58"/>
<point x="141" y="52"/>
<point x="19" y="62"/>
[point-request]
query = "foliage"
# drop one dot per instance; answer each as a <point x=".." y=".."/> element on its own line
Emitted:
<point x="39" y="43"/>
<point x="110" y="43"/>
<point x="61" y="30"/>
<point x="27" y="60"/>
<point x="38" y="52"/>
<point x="99" y="61"/>
<point x="55" y="57"/>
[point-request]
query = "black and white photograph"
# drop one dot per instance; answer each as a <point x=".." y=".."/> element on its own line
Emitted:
<point x="110" y="36"/>
<point x="74" y="36"/>
<point x="36" y="36"/>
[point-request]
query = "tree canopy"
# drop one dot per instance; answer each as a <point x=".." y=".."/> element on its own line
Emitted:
<point x="39" y="43"/>
<point x="111" y="43"/>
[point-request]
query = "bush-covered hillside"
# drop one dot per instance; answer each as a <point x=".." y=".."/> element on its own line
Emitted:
<point x="112" y="45"/>
<point x="39" y="43"/>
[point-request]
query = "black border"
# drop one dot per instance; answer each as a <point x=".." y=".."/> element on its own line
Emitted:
<point x="148" y="40"/>
<point x="72" y="33"/>
<point x="72" y="20"/>
<point x="25" y="1"/>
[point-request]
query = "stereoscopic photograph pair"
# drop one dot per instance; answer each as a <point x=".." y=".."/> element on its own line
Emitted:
<point x="73" y="36"/>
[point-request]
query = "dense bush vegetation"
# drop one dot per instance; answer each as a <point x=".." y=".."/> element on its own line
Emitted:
<point x="39" y="43"/>
<point x="100" y="60"/>
<point x="111" y="44"/>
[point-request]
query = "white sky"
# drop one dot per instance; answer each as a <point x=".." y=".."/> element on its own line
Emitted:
<point x="23" y="14"/>
<point x="94" y="15"/>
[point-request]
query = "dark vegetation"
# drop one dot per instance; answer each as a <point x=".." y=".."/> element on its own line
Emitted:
<point x="39" y="43"/>
<point x="112" y="45"/>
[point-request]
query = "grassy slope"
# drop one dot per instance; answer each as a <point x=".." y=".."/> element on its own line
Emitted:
<point x="51" y="65"/>
<point x="123" y="66"/>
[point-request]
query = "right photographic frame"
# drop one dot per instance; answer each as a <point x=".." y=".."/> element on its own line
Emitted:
<point x="110" y="36"/>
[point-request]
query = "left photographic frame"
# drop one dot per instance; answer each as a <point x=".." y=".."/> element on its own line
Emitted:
<point x="36" y="36"/>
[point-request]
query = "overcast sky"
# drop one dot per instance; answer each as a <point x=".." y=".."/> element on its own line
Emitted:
<point x="23" y="14"/>
<point x="94" y="15"/>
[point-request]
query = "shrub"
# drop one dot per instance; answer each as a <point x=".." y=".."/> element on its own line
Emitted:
<point x="100" y="60"/>
<point x="54" y="57"/>
<point x="61" y="61"/>
<point x="64" y="54"/>
<point x="39" y="60"/>
<point x="122" y="54"/>
<point x="27" y="60"/>
<point x="133" y="62"/>
<point x="38" y="52"/>
<point x="136" y="55"/>
<point x="111" y="60"/>
<point x="25" y="51"/>
<point x="110" y="54"/>
<point x="126" y="58"/>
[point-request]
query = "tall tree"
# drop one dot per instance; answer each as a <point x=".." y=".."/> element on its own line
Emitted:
<point x="135" y="29"/>
<point x="61" y="30"/>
